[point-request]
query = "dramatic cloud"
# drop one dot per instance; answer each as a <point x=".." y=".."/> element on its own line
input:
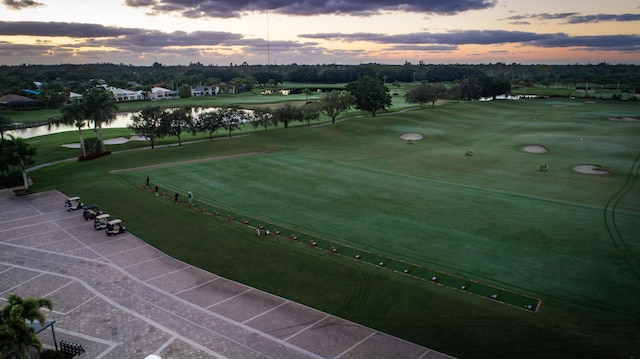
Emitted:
<point x="88" y="42"/>
<point x="235" y="8"/>
<point x="21" y="4"/>
<point x="426" y="48"/>
<point x="477" y="37"/>
<point x="116" y="36"/>
<point x="492" y="37"/>
<point x="35" y="28"/>
<point x="574" y="18"/>
<point x="630" y="43"/>
<point x="603" y="18"/>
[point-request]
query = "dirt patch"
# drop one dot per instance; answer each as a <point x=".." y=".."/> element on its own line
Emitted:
<point x="411" y="136"/>
<point x="535" y="149"/>
<point x="590" y="169"/>
<point x="170" y="164"/>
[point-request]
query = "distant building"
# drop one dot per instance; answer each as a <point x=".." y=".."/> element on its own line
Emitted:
<point x="204" y="91"/>
<point x="122" y="94"/>
<point x="159" y="93"/>
<point x="75" y="96"/>
<point x="16" y="101"/>
<point x="126" y="95"/>
<point x="33" y="92"/>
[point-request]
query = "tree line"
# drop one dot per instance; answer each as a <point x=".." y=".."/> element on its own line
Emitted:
<point x="80" y="78"/>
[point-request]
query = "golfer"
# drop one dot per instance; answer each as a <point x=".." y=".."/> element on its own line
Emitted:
<point x="190" y="195"/>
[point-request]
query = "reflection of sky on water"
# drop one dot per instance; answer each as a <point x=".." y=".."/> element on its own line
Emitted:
<point x="122" y="121"/>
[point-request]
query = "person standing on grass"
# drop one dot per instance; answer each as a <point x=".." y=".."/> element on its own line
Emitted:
<point x="147" y="182"/>
<point x="257" y="231"/>
<point x="190" y="195"/>
<point x="175" y="197"/>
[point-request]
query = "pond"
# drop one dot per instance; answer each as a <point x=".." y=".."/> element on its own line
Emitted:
<point x="122" y="120"/>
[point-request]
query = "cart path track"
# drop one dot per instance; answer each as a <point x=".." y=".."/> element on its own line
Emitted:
<point x="610" y="219"/>
<point x="170" y="164"/>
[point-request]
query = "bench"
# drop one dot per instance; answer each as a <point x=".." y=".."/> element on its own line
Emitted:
<point x="71" y="348"/>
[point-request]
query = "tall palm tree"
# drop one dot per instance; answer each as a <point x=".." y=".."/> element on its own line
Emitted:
<point x="75" y="114"/>
<point x="15" y="335"/>
<point x="5" y="125"/>
<point x="22" y="156"/>
<point x="101" y="109"/>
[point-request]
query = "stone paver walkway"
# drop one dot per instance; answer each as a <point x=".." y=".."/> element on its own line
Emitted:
<point x="121" y="298"/>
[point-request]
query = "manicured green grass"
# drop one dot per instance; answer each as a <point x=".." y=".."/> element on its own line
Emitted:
<point x="595" y="91"/>
<point x="491" y="218"/>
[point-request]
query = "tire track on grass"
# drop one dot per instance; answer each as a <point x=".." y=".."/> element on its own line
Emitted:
<point x="361" y="290"/>
<point x="610" y="219"/>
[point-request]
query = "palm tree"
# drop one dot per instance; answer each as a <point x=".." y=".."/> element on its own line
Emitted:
<point x="101" y="109"/>
<point x="15" y="335"/>
<point x="75" y="114"/>
<point x="22" y="155"/>
<point x="5" y="125"/>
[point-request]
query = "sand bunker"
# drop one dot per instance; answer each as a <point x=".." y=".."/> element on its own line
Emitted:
<point x="535" y="149"/>
<point x="590" y="169"/>
<point x="111" y="141"/>
<point x="411" y="136"/>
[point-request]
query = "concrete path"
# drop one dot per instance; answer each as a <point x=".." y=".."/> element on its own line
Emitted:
<point x="121" y="298"/>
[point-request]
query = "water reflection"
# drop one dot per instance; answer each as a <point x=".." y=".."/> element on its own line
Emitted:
<point x="123" y="120"/>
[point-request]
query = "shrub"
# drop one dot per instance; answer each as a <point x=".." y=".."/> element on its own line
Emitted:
<point x="91" y="156"/>
<point x="11" y="180"/>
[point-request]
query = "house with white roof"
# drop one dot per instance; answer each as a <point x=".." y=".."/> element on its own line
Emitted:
<point x="126" y="95"/>
<point x="204" y="91"/>
<point x="159" y="93"/>
<point x="75" y="96"/>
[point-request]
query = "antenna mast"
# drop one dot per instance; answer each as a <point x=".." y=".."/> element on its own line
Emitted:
<point x="268" y="49"/>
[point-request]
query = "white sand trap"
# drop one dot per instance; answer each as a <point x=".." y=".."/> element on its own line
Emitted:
<point x="535" y="149"/>
<point x="623" y="119"/>
<point x="111" y="141"/>
<point x="411" y="136"/>
<point x="590" y="169"/>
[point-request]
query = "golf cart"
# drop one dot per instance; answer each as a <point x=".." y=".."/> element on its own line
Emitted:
<point x="100" y="222"/>
<point x="115" y="227"/>
<point x="90" y="212"/>
<point x="73" y="203"/>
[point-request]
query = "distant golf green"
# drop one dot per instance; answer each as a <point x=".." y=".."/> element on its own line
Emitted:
<point x="467" y="199"/>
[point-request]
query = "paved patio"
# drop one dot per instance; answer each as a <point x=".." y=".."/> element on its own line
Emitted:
<point x="121" y="298"/>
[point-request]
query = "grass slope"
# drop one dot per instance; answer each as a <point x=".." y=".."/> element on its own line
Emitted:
<point x="491" y="217"/>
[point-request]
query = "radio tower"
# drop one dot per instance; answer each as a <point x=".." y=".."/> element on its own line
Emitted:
<point x="268" y="49"/>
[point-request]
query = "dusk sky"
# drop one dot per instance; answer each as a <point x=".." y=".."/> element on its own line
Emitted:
<point x="172" y="32"/>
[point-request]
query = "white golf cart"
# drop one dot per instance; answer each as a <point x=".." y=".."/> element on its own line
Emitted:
<point x="100" y="222"/>
<point x="115" y="227"/>
<point x="73" y="203"/>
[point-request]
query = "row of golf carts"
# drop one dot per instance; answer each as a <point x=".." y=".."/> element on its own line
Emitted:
<point x="92" y="212"/>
